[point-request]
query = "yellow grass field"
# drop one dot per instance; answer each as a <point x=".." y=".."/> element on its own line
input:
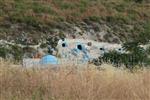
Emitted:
<point x="69" y="83"/>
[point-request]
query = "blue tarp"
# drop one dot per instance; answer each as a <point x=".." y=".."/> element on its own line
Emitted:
<point x="49" y="59"/>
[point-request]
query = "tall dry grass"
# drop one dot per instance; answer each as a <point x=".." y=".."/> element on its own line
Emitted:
<point x="69" y="83"/>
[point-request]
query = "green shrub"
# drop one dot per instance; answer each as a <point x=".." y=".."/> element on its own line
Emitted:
<point x="3" y="52"/>
<point x="17" y="52"/>
<point x="138" y="1"/>
<point x="43" y="45"/>
<point x="121" y="7"/>
<point x="144" y="37"/>
<point x="52" y="41"/>
<point x="118" y="19"/>
<point x="64" y="5"/>
<point x="95" y="18"/>
<point x="136" y="56"/>
<point x="29" y="20"/>
<point x="38" y="8"/>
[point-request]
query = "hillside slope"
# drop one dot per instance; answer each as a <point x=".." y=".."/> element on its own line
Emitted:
<point x="102" y="20"/>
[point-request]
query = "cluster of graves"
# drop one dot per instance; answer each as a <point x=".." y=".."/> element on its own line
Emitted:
<point x="77" y="51"/>
<point x="82" y="51"/>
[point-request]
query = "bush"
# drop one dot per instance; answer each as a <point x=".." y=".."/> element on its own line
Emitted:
<point x="3" y="52"/>
<point x="94" y="18"/>
<point x="144" y="37"/>
<point x="136" y="56"/>
<point x="17" y="52"/>
<point x="138" y="1"/>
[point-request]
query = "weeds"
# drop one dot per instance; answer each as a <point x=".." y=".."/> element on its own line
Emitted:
<point x="68" y="83"/>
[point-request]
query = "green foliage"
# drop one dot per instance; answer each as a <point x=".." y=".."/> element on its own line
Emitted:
<point x="144" y="37"/>
<point x="129" y="60"/>
<point x="17" y="52"/>
<point x="61" y="35"/>
<point x="33" y="12"/>
<point x="118" y="19"/>
<point x="38" y="8"/>
<point x="138" y="1"/>
<point x="64" y="5"/>
<point x="120" y="8"/>
<point x="132" y="47"/>
<point x="52" y="41"/>
<point x="95" y="18"/>
<point x="3" y="52"/>
<point x="134" y="56"/>
<point x="148" y="50"/>
<point x="43" y="45"/>
<point x="43" y="16"/>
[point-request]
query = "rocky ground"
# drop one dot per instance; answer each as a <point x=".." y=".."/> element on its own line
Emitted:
<point x="32" y="24"/>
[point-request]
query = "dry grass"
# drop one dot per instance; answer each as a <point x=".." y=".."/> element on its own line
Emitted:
<point x="72" y="84"/>
<point x="49" y="10"/>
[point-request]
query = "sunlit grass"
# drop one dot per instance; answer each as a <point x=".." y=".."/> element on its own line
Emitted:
<point x="70" y="83"/>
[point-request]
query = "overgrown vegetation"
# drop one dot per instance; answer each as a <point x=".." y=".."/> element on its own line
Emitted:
<point x="68" y="83"/>
<point x="136" y="57"/>
<point x="128" y="19"/>
<point x="3" y="52"/>
<point x="144" y="36"/>
<point x="42" y="16"/>
<point x="12" y="52"/>
<point x="135" y="54"/>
